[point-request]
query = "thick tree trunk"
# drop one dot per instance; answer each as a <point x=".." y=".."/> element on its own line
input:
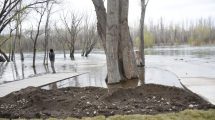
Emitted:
<point x="117" y="42"/>
<point x="102" y="20"/>
<point x="112" y="42"/>
<point x="126" y="45"/>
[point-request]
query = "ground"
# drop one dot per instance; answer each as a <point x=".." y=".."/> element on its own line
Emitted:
<point x="92" y="101"/>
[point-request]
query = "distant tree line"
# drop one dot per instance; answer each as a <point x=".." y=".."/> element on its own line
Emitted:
<point x="200" y="32"/>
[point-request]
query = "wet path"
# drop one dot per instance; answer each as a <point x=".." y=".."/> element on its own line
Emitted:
<point x="205" y="87"/>
<point x="34" y="82"/>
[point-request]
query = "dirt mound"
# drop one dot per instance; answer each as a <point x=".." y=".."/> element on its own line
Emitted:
<point x="91" y="101"/>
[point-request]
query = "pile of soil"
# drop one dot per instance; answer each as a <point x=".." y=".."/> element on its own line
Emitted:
<point x="91" y="101"/>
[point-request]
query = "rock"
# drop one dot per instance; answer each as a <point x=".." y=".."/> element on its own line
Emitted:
<point x="191" y="106"/>
<point x="94" y="112"/>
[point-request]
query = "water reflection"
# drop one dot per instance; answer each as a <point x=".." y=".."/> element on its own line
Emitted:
<point x="15" y="71"/>
<point x="23" y="70"/>
<point x="96" y="66"/>
<point x="3" y="66"/>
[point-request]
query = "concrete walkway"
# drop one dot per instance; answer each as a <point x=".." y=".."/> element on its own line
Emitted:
<point x="204" y="87"/>
<point x="35" y="82"/>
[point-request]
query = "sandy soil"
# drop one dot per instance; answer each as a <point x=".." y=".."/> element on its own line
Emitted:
<point x="91" y="101"/>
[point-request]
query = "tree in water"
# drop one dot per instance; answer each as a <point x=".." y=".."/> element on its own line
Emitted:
<point x="114" y="32"/>
<point x="89" y="38"/>
<point x="144" y="4"/>
<point x="73" y="28"/>
<point x="41" y="13"/>
<point x="8" y="11"/>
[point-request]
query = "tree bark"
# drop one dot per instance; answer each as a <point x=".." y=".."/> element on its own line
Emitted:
<point x="101" y="20"/>
<point x="126" y="45"/>
<point x="117" y="42"/>
<point x="142" y="20"/>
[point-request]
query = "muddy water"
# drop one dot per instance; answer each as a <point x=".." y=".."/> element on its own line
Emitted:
<point x="164" y="65"/>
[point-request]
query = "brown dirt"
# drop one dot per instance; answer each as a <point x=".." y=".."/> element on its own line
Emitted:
<point x="91" y="101"/>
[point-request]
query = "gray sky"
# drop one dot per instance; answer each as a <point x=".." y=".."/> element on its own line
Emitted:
<point x="172" y="11"/>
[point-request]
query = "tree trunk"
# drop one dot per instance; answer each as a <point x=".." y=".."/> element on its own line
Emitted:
<point x="142" y="20"/>
<point x="102" y="20"/>
<point x="72" y="54"/>
<point x="121" y="64"/>
<point x="20" y="43"/>
<point x="64" y="52"/>
<point x="126" y="45"/>
<point x="20" y="33"/>
<point x="36" y="38"/>
<point x="14" y="46"/>
<point x="5" y="56"/>
<point x="112" y="42"/>
<point x="45" y="59"/>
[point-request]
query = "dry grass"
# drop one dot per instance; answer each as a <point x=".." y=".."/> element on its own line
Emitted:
<point x="184" y="115"/>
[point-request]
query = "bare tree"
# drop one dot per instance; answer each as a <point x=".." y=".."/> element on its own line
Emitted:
<point x="49" y="7"/>
<point x="62" y="38"/>
<point x="73" y="28"/>
<point x="90" y="41"/>
<point x="8" y="11"/>
<point x="117" y="41"/>
<point x="89" y="37"/>
<point x="41" y="12"/>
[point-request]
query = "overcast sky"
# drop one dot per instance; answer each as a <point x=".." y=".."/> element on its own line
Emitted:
<point x="172" y="11"/>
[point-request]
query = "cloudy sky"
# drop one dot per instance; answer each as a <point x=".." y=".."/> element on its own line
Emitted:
<point x="170" y="10"/>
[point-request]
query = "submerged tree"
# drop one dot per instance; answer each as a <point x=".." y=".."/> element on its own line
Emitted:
<point x="8" y="11"/>
<point x="73" y="28"/>
<point x="144" y="4"/>
<point x="41" y="13"/>
<point x="47" y="31"/>
<point x="114" y="31"/>
<point x="89" y="37"/>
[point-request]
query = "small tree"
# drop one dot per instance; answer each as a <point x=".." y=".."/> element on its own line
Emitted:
<point x="47" y="31"/>
<point x="89" y="37"/>
<point x="8" y="11"/>
<point x="41" y="12"/>
<point x="73" y="28"/>
<point x="62" y="38"/>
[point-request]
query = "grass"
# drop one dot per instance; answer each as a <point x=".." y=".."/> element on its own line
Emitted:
<point x="184" y="115"/>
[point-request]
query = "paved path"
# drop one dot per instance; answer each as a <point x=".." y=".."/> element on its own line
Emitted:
<point x="204" y="87"/>
<point x="35" y="82"/>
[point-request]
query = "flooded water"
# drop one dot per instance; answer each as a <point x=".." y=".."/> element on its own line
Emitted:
<point x="164" y="65"/>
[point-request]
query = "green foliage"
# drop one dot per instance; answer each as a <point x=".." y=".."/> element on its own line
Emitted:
<point x="200" y="36"/>
<point x="148" y="40"/>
